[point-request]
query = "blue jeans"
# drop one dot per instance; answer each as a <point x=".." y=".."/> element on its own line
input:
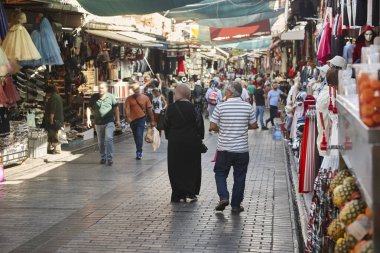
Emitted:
<point x="224" y="161"/>
<point x="138" y="127"/>
<point x="260" y="109"/>
<point x="105" y="140"/>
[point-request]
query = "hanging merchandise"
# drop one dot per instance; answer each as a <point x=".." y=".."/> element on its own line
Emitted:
<point x="3" y="22"/>
<point x="309" y="156"/>
<point x="46" y="43"/>
<point x="17" y="44"/>
<point x="4" y="63"/>
<point x="324" y="48"/>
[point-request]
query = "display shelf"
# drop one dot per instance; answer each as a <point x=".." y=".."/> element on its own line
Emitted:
<point x="360" y="151"/>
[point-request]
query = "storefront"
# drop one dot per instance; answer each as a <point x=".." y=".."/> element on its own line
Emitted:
<point x="334" y="132"/>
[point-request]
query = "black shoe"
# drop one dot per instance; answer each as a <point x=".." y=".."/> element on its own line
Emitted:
<point x="237" y="209"/>
<point x="222" y="205"/>
<point x="110" y="162"/>
<point x="264" y="128"/>
<point x="103" y="161"/>
<point x="178" y="200"/>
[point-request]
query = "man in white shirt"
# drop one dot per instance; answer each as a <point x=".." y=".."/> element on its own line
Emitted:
<point x="213" y="97"/>
<point x="232" y="119"/>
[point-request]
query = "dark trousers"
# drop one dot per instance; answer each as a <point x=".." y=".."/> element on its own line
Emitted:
<point x="138" y="127"/>
<point x="273" y="113"/>
<point x="224" y="161"/>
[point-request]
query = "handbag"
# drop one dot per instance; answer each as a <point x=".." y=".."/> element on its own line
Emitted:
<point x="203" y="146"/>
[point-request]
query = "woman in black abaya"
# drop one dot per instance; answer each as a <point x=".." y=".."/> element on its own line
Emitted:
<point x="184" y="130"/>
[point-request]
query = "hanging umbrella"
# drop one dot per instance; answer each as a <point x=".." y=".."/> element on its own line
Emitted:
<point x="3" y="22"/>
<point x="127" y="7"/>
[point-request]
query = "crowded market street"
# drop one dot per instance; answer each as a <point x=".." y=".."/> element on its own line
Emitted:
<point x="82" y="206"/>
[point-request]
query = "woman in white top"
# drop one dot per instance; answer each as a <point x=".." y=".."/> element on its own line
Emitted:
<point x="159" y="104"/>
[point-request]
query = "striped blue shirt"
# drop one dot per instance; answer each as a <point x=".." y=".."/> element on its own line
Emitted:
<point x="233" y="118"/>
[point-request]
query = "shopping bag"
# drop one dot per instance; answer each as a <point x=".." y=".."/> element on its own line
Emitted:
<point x="149" y="135"/>
<point x="156" y="139"/>
<point x="62" y="137"/>
<point x="31" y="120"/>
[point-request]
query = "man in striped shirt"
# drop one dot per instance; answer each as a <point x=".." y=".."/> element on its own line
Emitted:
<point x="232" y="119"/>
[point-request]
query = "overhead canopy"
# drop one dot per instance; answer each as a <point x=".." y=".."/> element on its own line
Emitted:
<point x="209" y="9"/>
<point x="122" y="37"/>
<point x="254" y="44"/>
<point x="241" y="32"/>
<point x="239" y="21"/>
<point x="128" y="7"/>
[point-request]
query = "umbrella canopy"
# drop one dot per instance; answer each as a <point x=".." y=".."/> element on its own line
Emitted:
<point x="239" y="21"/>
<point x="241" y="32"/>
<point x="128" y="7"/>
<point x="222" y="9"/>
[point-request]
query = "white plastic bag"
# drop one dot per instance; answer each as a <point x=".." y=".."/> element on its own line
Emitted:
<point x="149" y="135"/>
<point x="156" y="139"/>
<point x="31" y="119"/>
<point x="62" y="137"/>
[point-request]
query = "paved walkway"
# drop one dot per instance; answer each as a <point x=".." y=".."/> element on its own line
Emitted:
<point x="77" y="205"/>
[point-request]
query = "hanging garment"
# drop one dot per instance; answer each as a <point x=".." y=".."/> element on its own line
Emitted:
<point x="181" y="65"/>
<point x="369" y="12"/>
<point x="4" y="121"/>
<point x="3" y="22"/>
<point x="360" y="8"/>
<point x="11" y="91"/>
<point x="49" y="49"/>
<point x="298" y="113"/>
<point x="3" y="96"/>
<point x="3" y="57"/>
<point x="324" y="49"/>
<point x="17" y="44"/>
<point x="375" y="13"/>
<point x="302" y="163"/>
<point x="311" y="156"/>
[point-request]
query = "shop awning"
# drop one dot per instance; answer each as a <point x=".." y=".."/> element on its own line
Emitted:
<point x="222" y="9"/>
<point x="252" y="30"/>
<point x="132" y="38"/>
<point x="137" y="36"/>
<point x="239" y="21"/>
<point x="293" y="35"/>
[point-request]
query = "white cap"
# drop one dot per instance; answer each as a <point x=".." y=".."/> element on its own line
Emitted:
<point x="338" y="61"/>
<point x="324" y="68"/>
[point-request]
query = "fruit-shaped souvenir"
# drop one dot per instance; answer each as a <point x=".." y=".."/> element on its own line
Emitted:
<point x="350" y="241"/>
<point x="351" y="210"/>
<point x="339" y="178"/>
<point x="341" y="246"/>
<point x="364" y="247"/>
<point x="343" y="193"/>
<point x="336" y="230"/>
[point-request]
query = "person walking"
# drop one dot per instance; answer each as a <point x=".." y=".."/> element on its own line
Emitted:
<point x="213" y="97"/>
<point x="53" y="118"/>
<point x="232" y="119"/>
<point x="251" y="88"/>
<point x="105" y="109"/>
<point x="159" y="106"/>
<point x="184" y="129"/>
<point x="259" y="96"/>
<point x="274" y="98"/>
<point x="137" y="108"/>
